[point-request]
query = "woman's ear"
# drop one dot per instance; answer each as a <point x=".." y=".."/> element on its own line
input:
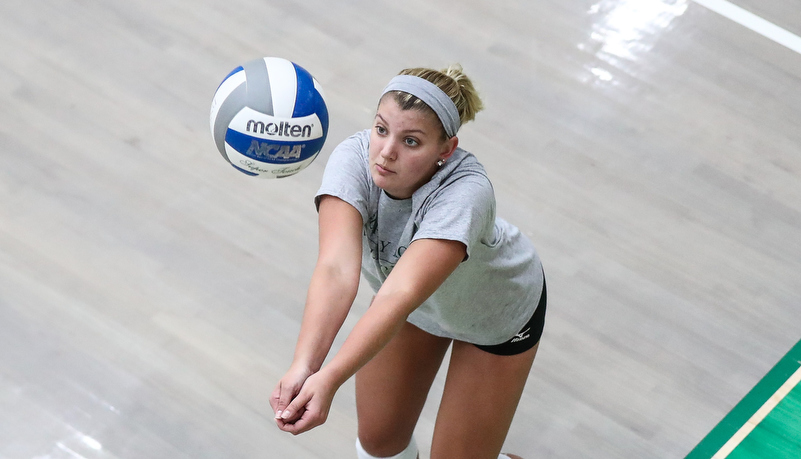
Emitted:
<point x="449" y="147"/>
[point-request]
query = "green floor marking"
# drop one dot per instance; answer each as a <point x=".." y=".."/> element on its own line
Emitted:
<point x="783" y="423"/>
<point x="779" y="435"/>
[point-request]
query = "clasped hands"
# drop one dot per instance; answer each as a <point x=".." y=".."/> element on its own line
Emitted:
<point x="302" y="399"/>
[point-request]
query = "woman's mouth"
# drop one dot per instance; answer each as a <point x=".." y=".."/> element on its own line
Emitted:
<point x="383" y="170"/>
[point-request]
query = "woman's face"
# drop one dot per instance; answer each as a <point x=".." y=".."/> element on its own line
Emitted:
<point x="405" y="146"/>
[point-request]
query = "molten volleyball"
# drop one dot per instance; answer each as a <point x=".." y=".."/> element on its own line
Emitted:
<point x="269" y="118"/>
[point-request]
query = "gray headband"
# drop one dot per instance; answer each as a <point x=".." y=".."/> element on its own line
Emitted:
<point x="432" y="95"/>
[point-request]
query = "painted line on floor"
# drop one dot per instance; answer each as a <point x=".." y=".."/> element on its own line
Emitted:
<point x="760" y="414"/>
<point x="753" y="22"/>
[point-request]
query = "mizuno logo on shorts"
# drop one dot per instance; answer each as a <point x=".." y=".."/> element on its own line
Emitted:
<point x="521" y="336"/>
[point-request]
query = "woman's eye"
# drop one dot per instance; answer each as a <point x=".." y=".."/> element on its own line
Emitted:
<point x="411" y="142"/>
<point x="381" y="130"/>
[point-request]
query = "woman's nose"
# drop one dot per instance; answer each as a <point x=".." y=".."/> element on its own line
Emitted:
<point x="388" y="150"/>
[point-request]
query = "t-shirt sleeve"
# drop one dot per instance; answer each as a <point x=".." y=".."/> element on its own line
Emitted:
<point x="346" y="175"/>
<point x="463" y="211"/>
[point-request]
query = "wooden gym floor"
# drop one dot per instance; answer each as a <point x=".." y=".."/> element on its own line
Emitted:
<point x="150" y="295"/>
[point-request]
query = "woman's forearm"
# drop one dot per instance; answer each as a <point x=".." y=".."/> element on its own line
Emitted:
<point x="330" y="296"/>
<point x="381" y="322"/>
<point x="412" y="280"/>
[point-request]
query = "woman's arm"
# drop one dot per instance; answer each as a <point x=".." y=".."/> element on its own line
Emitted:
<point x="423" y="267"/>
<point x="334" y="283"/>
<point x="332" y="289"/>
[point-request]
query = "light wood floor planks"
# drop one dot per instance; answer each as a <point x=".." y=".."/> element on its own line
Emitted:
<point x="150" y="295"/>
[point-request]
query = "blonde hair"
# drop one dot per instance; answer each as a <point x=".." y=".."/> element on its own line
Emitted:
<point x="453" y="82"/>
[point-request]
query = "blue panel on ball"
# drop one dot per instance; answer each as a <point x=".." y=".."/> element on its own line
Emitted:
<point x="271" y="151"/>
<point x="238" y="69"/>
<point x="308" y="100"/>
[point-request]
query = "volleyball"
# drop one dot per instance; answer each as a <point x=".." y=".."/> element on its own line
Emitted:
<point x="269" y="118"/>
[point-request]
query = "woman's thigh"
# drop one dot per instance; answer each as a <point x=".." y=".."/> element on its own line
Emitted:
<point x="480" y="398"/>
<point x="392" y="387"/>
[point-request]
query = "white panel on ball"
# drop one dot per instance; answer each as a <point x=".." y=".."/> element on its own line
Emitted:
<point x="282" y="75"/>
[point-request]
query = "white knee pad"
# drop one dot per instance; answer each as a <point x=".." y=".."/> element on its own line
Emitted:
<point x="409" y="453"/>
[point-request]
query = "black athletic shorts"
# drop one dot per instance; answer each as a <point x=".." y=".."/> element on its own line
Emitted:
<point x="528" y="336"/>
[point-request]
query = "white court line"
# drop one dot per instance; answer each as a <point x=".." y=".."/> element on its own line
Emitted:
<point x="753" y="22"/>
<point x="761" y="413"/>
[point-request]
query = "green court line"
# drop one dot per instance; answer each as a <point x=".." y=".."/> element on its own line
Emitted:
<point x="774" y="437"/>
<point x="743" y="411"/>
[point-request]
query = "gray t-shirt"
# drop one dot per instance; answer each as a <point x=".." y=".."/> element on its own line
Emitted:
<point x="493" y="292"/>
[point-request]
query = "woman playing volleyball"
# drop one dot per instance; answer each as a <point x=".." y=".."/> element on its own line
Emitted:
<point x="414" y="214"/>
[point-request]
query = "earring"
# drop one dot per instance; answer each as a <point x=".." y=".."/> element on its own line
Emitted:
<point x="440" y="162"/>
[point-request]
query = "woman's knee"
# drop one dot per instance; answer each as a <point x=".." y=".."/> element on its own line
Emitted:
<point x="408" y="452"/>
